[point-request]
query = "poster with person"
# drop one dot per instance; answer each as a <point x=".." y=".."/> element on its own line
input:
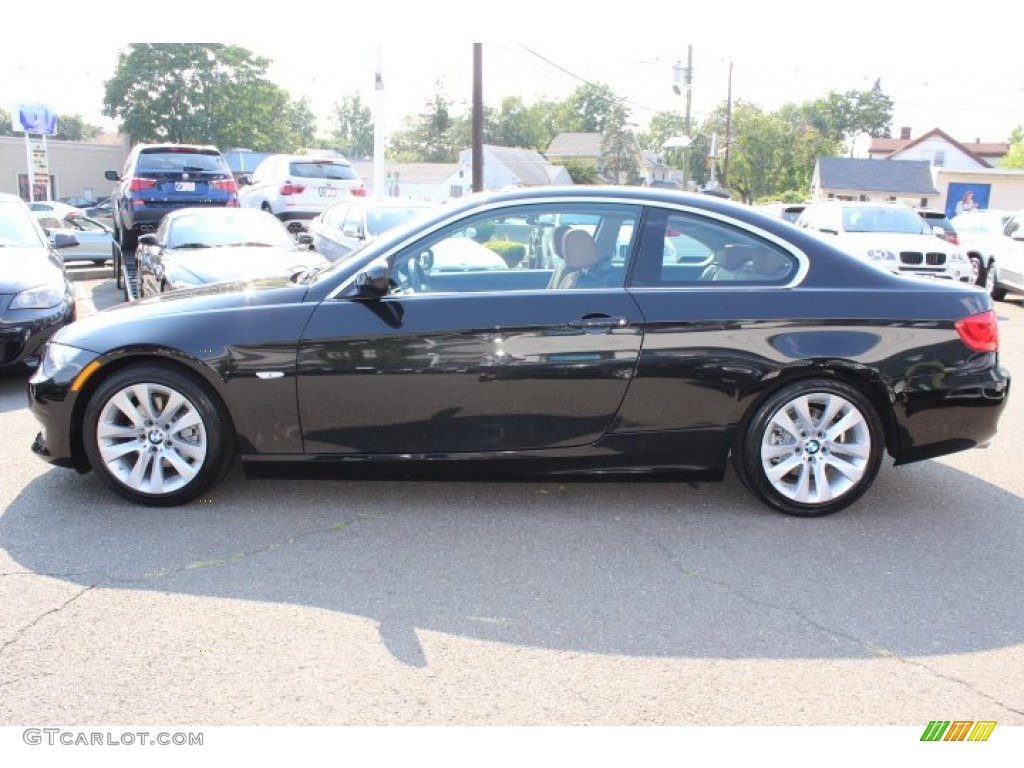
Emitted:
<point x="964" y="197"/>
<point x="33" y="117"/>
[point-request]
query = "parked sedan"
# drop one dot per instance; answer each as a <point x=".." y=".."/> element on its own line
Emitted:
<point x="36" y="298"/>
<point x="95" y="239"/>
<point x="350" y="224"/>
<point x="196" y="246"/>
<point x="802" y="368"/>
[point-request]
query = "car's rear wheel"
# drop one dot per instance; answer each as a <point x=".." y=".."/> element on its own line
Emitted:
<point x="118" y="264"/>
<point x="812" y="448"/>
<point x="992" y="283"/>
<point x="155" y="436"/>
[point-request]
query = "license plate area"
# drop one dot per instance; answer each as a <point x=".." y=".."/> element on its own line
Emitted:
<point x="328" y="192"/>
<point x="184" y="186"/>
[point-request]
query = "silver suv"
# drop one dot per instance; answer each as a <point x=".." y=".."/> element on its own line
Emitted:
<point x="891" y="236"/>
<point x="299" y="187"/>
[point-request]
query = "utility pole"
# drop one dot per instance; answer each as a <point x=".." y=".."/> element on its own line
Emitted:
<point x="687" y="76"/>
<point x="728" y="131"/>
<point x="378" y="129"/>
<point x="478" y="118"/>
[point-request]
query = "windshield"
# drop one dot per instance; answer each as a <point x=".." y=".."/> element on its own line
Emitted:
<point x="227" y="228"/>
<point x="17" y="230"/>
<point x="884" y="219"/>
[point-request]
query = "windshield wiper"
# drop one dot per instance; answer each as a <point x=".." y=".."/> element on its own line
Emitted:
<point x="190" y="245"/>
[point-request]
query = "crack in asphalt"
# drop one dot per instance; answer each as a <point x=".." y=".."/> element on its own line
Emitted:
<point x="21" y="632"/>
<point x="869" y="647"/>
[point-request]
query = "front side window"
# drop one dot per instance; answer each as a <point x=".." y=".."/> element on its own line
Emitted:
<point x="553" y="246"/>
<point x="686" y="249"/>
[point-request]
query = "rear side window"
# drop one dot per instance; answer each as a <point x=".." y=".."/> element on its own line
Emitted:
<point x="181" y="162"/>
<point x="308" y="170"/>
<point x="680" y="249"/>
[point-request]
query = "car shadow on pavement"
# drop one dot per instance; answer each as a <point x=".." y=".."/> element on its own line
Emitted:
<point x="927" y="563"/>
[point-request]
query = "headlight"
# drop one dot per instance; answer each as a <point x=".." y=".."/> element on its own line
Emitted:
<point x="62" y="362"/>
<point x="880" y="254"/>
<point x="42" y="297"/>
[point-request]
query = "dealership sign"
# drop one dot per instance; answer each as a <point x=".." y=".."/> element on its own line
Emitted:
<point x="34" y="117"/>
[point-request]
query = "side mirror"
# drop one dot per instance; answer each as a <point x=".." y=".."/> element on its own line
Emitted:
<point x="372" y="282"/>
<point x="939" y="232"/>
<point x="304" y="238"/>
<point x="64" y="240"/>
<point x="148" y="239"/>
<point x="351" y="230"/>
<point x="1018" y="234"/>
<point x="244" y="179"/>
<point x="827" y="231"/>
<point x="111" y="175"/>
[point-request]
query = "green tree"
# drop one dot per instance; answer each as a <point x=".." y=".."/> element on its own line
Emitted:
<point x="5" y="123"/>
<point x="588" y="109"/>
<point x="353" y="127"/>
<point x="842" y="116"/>
<point x="620" y="156"/>
<point x="431" y="137"/>
<point x="517" y="125"/>
<point x="205" y="93"/>
<point x="1015" y="157"/>
<point x="75" y="128"/>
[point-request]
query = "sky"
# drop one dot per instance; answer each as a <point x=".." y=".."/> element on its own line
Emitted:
<point x="970" y="85"/>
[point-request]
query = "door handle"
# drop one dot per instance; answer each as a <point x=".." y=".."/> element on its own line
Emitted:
<point x="599" y="323"/>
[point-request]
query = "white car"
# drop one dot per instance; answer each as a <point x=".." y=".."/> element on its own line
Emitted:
<point x="1004" y="272"/>
<point x="978" y="233"/>
<point x="892" y="236"/>
<point x="95" y="240"/>
<point x="295" y="188"/>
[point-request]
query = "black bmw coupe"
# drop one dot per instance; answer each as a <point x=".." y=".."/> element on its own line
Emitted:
<point x="638" y="332"/>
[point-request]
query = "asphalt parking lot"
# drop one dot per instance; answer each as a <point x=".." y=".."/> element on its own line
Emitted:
<point x="438" y="603"/>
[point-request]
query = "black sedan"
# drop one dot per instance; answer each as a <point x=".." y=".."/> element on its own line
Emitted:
<point x="196" y="246"/>
<point x="36" y="298"/>
<point x="760" y="345"/>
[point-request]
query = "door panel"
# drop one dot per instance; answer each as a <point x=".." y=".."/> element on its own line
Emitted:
<point x="466" y="372"/>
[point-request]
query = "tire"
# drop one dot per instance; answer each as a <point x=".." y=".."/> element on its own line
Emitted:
<point x="992" y="283"/>
<point x="977" y="270"/>
<point x="129" y="240"/>
<point x="118" y="266"/>
<point x="124" y="432"/>
<point x="812" y="448"/>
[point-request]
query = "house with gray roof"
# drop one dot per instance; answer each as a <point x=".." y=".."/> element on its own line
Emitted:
<point x="505" y="167"/>
<point x="850" y="178"/>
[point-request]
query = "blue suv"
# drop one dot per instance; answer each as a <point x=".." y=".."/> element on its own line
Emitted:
<point x="158" y="178"/>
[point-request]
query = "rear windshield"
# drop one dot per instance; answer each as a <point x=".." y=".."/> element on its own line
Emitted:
<point x="313" y="170"/>
<point x="162" y="161"/>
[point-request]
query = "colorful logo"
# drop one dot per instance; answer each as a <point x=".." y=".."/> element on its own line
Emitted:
<point x="958" y="730"/>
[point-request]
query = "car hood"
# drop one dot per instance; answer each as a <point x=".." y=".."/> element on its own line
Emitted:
<point x="229" y="297"/>
<point x="892" y="241"/>
<point x="22" y="268"/>
<point x="213" y="265"/>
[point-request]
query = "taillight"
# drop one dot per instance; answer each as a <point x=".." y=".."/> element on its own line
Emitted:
<point x="225" y="185"/>
<point x="292" y="189"/>
<point x="139" y="184"/>
<point x="953" y="238"/>
<point x="359" y="191"/>
<point x="980" y="332"/>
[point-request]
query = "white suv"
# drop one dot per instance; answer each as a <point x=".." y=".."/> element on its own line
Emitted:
<point x="892" y="236"/>
<point x="299" y="187"/>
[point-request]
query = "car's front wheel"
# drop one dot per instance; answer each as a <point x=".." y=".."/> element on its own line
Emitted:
<point x="156" y="436"/>
<point x="812" y="448"/>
